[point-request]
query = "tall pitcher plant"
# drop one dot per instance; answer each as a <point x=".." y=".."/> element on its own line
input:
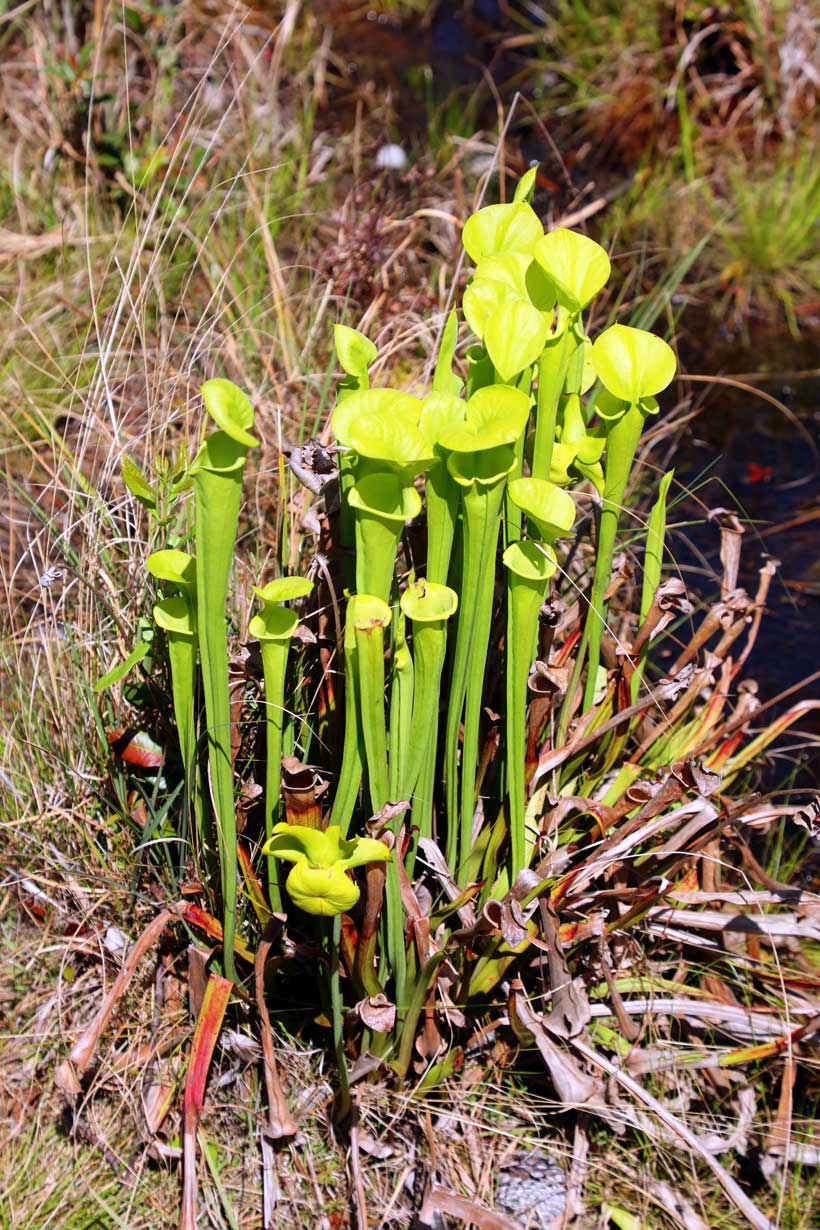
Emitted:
<point x="458" y="504"/>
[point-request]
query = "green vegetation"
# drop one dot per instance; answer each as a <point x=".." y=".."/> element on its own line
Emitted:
<point x="364" y="710"/>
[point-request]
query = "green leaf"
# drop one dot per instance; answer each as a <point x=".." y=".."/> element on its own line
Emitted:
<point x="220" y="454"/>
<point x="501" y="228"/>
<point x="364" y="612"/>
<point x="482" y="465"/>
<point x="482" y="299"/>
<point x="525" y="187"/>
<point x="273" y="623"/>
<point x="532" y="561"/>
<point x="354" y="351"/>
<point x="588" y="375"/>
<point x="632" y="363"/>
<point x="175" y="567"/>
<point x="230" y="409"/>
<point x="501" y="407"/>
<point x="119" y="672"/>
<point x="444" y="378"/>
<point x="382" y="425"/>
<point x="608" y="407"/>
<point x="440" y="412"/>
<point x="384" y="495"/>
<point x="514" y="336"/>
<point x="496" y="415"/>
<point x="387" y="403"/>
<point x="175" y="615"/>
<point x="506" y="278"/>
<point x="284" y="589"/>
<point x="138" y="485"/>
<point x="578" y="266"/>
<point x="428" y="602"/>
<point x="550" y="509"/>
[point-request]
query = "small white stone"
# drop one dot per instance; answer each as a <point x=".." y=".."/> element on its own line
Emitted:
<point x="116" y="941"/>
<point x="391" y="158"/>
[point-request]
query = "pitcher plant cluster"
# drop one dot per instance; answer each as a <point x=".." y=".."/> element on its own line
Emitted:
<point x="458" y="508"/>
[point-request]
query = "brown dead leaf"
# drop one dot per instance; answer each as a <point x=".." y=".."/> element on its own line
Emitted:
<point x="441" y="1201"/>
<point x="570" y="1010"/>
<point x="71" y="1070"/>
<point x="280" y="1121"/>
<point x="377" y="1013"/>
<point x="573" y="1086"/>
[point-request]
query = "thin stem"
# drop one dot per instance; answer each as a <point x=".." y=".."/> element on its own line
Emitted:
<point x="370" y="656"/>
<point x="482" y="505"/>
<point x="442" y="514"/>
<point x="274" y="666"/>
<point x="524" y="598"/>
<point x="622" y="443"/>
<point x="402" y="694"/>
<point x="377" y="542"/>
<point x="652" y="568"/>
<point x="552" y="370"/>
<point x="334" y="933"/>
<point x="182" y="652"/>
<point x="350" y="774"/>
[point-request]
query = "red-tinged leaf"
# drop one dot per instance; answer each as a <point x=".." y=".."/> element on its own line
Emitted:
<point x="195" y="916"/>
<point x="253" y="886"/>
<point x="202" y="920"/>
<point x="727" y="748"/>
<point x="566" y="649"/>
<point x="772" y="732"/>
<point x="208" y="1027"/>
<point x="136" y="747"/>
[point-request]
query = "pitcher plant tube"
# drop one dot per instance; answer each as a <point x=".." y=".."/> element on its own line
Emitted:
<point x="481" y="454"/>
<point x="217" y="478"/>
<point x="274" y="627"/>
<point x="633" y="366"/>
<point x="428" y="605"/>
<point x="176" y="614"/>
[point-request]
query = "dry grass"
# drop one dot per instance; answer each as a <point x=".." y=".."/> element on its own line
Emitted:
<point x="209" y="219"/>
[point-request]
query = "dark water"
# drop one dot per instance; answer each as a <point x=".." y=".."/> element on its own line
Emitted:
<point x="762" y="461"/>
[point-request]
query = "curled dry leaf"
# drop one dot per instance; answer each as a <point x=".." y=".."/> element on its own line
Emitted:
<point x="302" y="788"/>
<point x="442" y="1201"/>
<point x="384" y="817"/>
<point x="573" y="1086"/>
<point x="436" y="861"/>
<point x="280" y="1121"/>
<point x="731" y="535"/>
<point x="696" y="776"/>
<point x="377" y="1013"/>
<point x="570" y="1011"/>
